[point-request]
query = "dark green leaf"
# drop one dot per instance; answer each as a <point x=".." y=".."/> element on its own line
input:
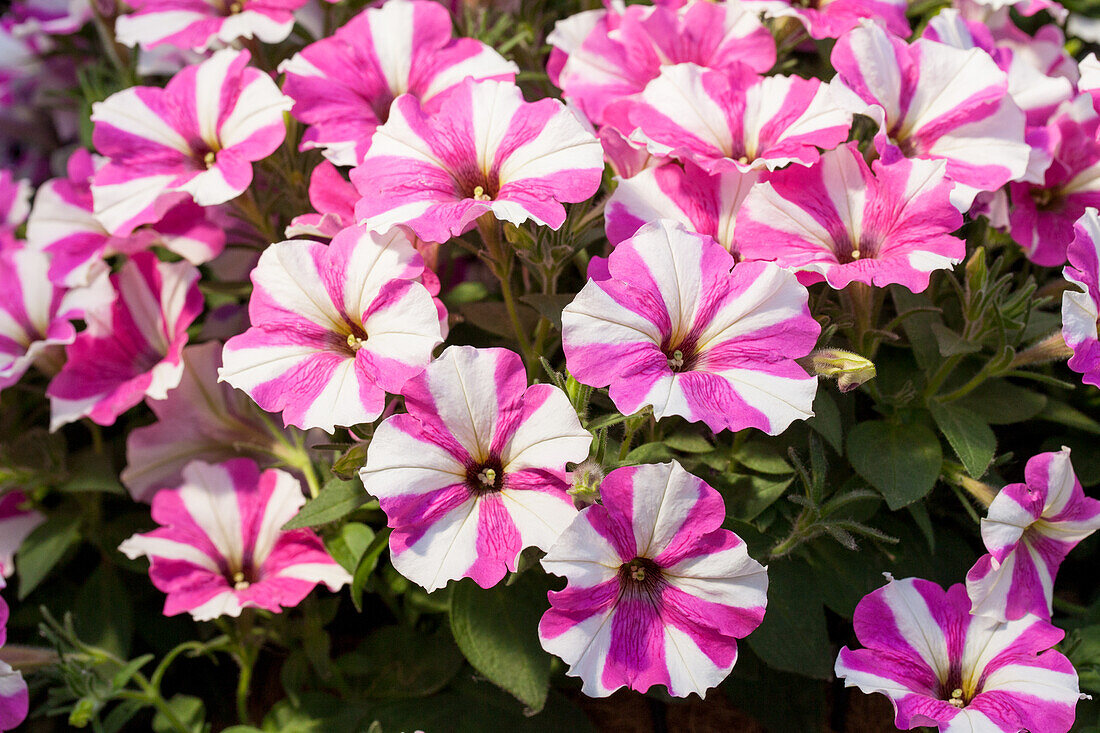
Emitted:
<point x="793" y="637"/>
<point x="826" y="420"/>
<point x="188" y="710"/>
<point x="367" y="563"/>
<point x="104" y="612"/>
<point x="90" y="471"/>
<point x="764" y="457"/>
<point x="1061" y="413"/>
<point x="971" y="439"/>
<point x="950" y="343"/>
<point x="747" y="496"/>
<point x="43" y="549"/>
<point x="497" y="631"/>
<point x="549" y="306"/>
<point x="398" y="662"/>
<point x="492" y="316"/>
<point x="338" y="498"/>
<point x="918" y="327"/>
<point x="689" y="443"/>
<point x="901" y="461"/>
<point x="649" y="453"/>
<point x="349" y="543"/>
<point x="1002" y="403"/>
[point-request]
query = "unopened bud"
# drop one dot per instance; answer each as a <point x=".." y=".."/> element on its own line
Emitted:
<point x="849" y="369"/>
<point x="587" y="477"/>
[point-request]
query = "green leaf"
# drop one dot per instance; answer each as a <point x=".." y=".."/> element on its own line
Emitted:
<point x="367" y="563"/>
<point x="901" y="461"/>
<point x="763" y="457"/>
<point x="92" y="472"/>
<point x="492" y="316"/>
<point x="998" y="402"/>
<point x="747" y="496"/>
<point x="104" y="612"/>
<point x="549" y="306"/>
<point x="1061" y="413"/>
<point x="648" y="453"/>
<point x="826" y="420"/>
<point x="188" y="709"/>
<point x="338" y="498"/>
<point x="497" y="631"/>
<point x="950" y="343"/>
<point x="349" y="543"/>
<point x="689" y="443"/>
<point x="43" y="549"/>
<point x="793" y="637"/>
<point x="918" y="326"/>
<point x="970" y="437"/>
<point x="400" y="662"/>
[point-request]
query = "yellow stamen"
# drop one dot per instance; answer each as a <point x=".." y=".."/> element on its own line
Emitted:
<point x="480" y="195"/>
<point x="855" y="254"/>
<point x="209" y="159"/>
<point x="676" y="360"/>
<point x="488" y="477"/>
<point x="956" y="698"/>
<point x="239" y="583"/>
<point x="235" y="8"/>
<point x="637" y="573"/>
<point x="354" y="342"/>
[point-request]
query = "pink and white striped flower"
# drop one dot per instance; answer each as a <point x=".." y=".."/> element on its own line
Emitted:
<point x="834" y="18"/>
<point x="35" y="314"/>
<point x="674" y="328"/>
<point x="703" y="203"/>
<point x="15" y="198"/>
<point x="16" y="522"/>
<point x="934" y="101"/>
<point x="334" y="328"/>
<point x="1081" y="310"/>
<point x="63" y="225"/>
<point x="658" y="593"/>
<point x="475" y="472"/>
<point x="203" y="24"/>
<point x="199" y="420"/>
<point x="484" y="150"/>
<point x="334" y="199"/>
<point x="198" y="136"/>
<point x="1042" y="215"/>
<point x="1028" y="531"/>
<point x="132" y="348"/>
<point x="14" y="698"/>
<point x="220" y="547"/>
<point x="845" y="221"/>
<point x="343" y="85"/>
<point x="601" y="56"/>
<point x="733" y="120"/>
<point x="940" y="666"/>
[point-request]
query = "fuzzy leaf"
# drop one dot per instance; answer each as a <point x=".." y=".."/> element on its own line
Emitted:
<point x="901" y="461"/>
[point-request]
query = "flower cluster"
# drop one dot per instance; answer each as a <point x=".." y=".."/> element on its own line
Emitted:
<point x="340" y="278"/>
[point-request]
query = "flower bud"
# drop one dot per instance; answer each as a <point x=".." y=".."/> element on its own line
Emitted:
<point x="849" y="369"/>
<point x="587" y="477"/>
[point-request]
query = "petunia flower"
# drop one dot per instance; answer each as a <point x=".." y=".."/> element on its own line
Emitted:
<point x="847" y="222"/>
<point x="35" y="314"/>
<point x="15" y="524"/>
<point x="657" y="592"/>
<point x="733" y="120"/>
<point x="132" y="348"/>
<point x="63" y="225"/>
<point x="942" y="667"/>
<point x="333" y="198"/>
<point x="833" y="18"/>
<point x="475" y="472"/>
<point x="485" y="150"/>
<point x="1042" y="215"/>
<point x="674" y="328"/>
<point x="196" y="137"/>
<point x="15" y="195"/>
<point x="14" y="698"/>
<point x="202" y="24"/>
<point x="343" y="85"/>
<point x="334" y="328"/>
<point x="1028" y="531"/>
<point x="199" y="419"/>
<point x="601" y="56"/>
<point x="1081" y="310"/>
<point x="220" y="547"/>
<point x="934" y="101"/>
<point x="702" y="202"/>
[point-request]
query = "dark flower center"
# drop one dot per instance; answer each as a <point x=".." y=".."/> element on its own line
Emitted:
<point x="485" y="477"/>
<point x="640" y="575"/>
<point x="356" y="338"/>
<point x="239" y="578"/>
<point x="953" y="691"/>
<point x="682" y="357"/>
<point x="1047" y="199"/>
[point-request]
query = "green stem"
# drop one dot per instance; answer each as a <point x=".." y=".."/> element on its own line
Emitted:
<point x="941" y="374"/>
<point x="247" y="651"/>
<point x="151" y="696"/>
<point x="501" y="266"/>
